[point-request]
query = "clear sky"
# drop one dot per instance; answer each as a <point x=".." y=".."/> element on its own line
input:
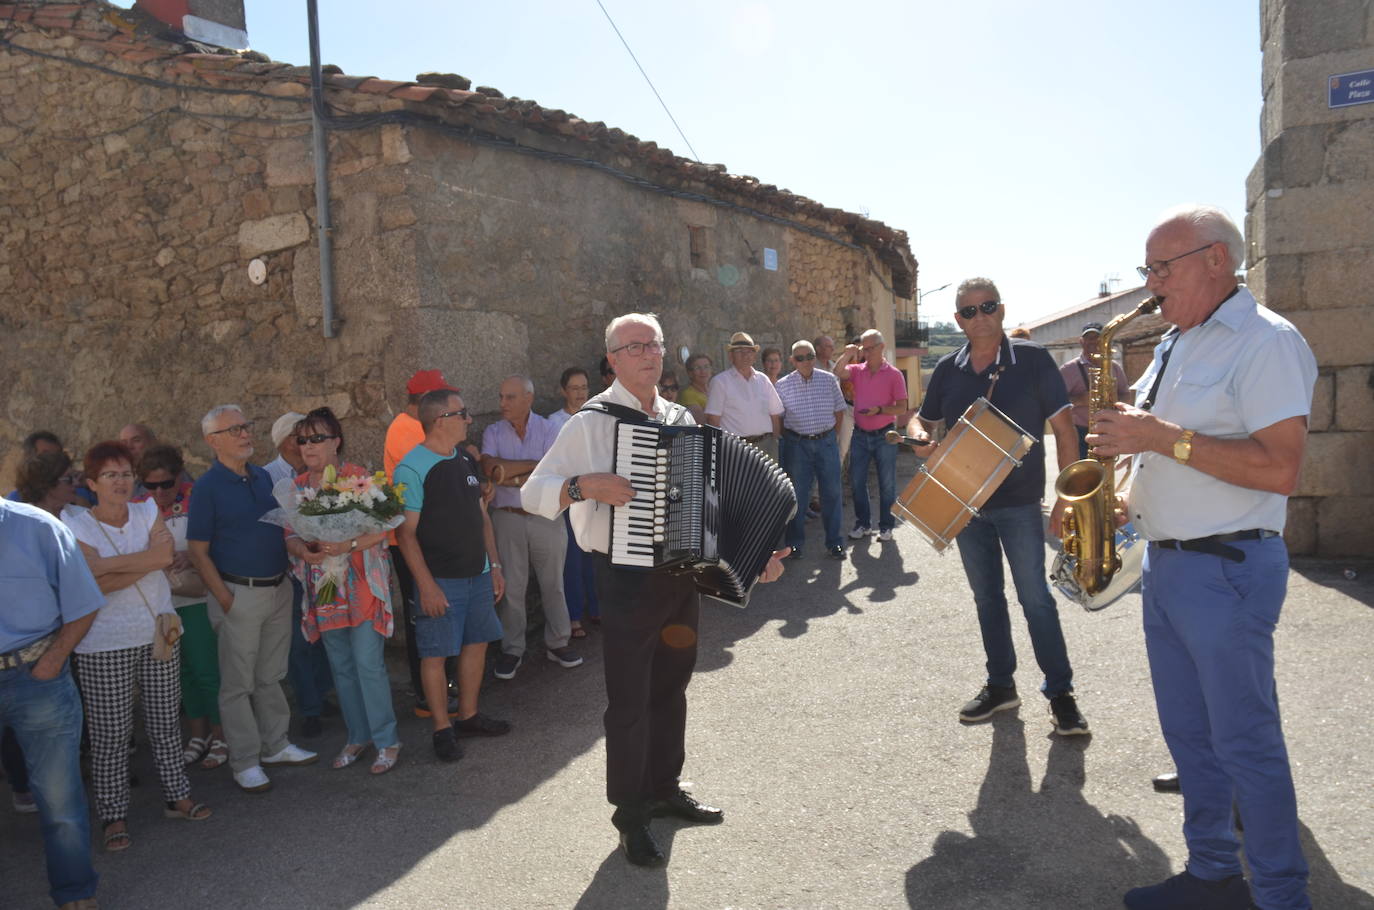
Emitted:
<point x="1029" y="142"/>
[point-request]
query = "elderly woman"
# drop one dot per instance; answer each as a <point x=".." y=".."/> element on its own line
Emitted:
<point x="46" y="480"/>
<point x="693" y="396"/>
<point x="356" y="623"/>
<point x="163" y="472"/>
<point x="128" y="545"/>
<point x="772" y="364"/>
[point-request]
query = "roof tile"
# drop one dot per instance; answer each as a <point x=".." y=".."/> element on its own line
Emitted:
<point x="376" y="86"/>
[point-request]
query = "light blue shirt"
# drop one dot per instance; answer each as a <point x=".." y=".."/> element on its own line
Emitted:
<point x="501" y="441"/>
<point x="810" y="405"/>
<point x="1244" y="369"/>
<point x="43" y="576"/>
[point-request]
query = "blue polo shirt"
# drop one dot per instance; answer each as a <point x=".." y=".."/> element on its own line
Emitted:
<point x="1029" y="391"/>
<point x="44" y="578"/>
<point x="225" y="512"/>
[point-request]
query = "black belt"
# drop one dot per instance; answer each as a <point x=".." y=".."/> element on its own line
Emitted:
<point x="1216" y="544"/>
<point x="859" y="429"/>
<point x="796" y="435"/>
<point x="247" y="582"/>
<point x="755" y="439"/>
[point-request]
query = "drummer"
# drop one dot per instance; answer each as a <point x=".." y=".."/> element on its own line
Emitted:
<point x="1021" y="380"/>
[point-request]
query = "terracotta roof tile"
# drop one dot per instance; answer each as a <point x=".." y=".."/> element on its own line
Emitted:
<point x="379" y="86"/>
<point x="414" y="92"/>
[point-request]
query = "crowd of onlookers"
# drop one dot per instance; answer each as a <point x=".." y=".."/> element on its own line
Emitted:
<point x="204" y="608"/>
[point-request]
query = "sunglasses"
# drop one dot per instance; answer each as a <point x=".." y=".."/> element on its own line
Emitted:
<point x="802" y="357"/>
<point x="313" y="439"/>
<point x="463" y="413"/>
<point x="987" y="307"/>
<point x="159" y="484"/>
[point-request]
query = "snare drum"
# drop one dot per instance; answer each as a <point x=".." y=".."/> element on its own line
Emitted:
<point x="970" y="464"/>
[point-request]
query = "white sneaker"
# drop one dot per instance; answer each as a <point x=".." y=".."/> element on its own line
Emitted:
<point x="885" y="535"/>
<point x="860" y="532"/>
<point x="252" y="780"/>
<point x="291" y="755"/>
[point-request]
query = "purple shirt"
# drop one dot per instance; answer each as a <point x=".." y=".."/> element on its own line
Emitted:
<point x="501" y="441"/>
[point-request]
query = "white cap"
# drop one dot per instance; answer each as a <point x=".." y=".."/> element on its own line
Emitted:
<point x="285" y="426"/>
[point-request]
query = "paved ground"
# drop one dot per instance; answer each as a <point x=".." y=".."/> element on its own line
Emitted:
<point x="823" y="720"/>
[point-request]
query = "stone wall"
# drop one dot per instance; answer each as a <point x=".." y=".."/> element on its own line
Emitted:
<point x="130" y="214"/>
<point x="1310" y="229"/>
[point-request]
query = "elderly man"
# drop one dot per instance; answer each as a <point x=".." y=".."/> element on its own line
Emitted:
<point x="243" y="563"/>
<point x="403" y="434"/>
<point x="1021" y="380"/>
<point x="511" y="448"/>
<point x="1075" y="374"/>
<point x="307" y="668"/>
<point x="649" y="618"/>
<point x="879" y="396"/>
<point x="813" y="410"/>
<point x="1219" y="437"/>
<point x="448" y="543"/>
<point x="51" y="601"/>
<point x="743" y="400"/>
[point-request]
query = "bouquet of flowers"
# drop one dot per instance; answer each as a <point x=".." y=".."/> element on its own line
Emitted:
<point x="346" y="504"/>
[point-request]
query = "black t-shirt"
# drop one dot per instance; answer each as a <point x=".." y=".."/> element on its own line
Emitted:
<point x="447" y="492"/>
<point x="1029" y="390"/>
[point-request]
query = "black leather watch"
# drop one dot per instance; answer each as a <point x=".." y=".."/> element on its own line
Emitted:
<point x="574" y="490"/>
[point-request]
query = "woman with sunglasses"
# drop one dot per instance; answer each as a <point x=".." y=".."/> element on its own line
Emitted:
<point x="163" y="472"/>
<point x="128" y="545"/>
<point x="47" y="480"/>
<point x="357" y="622"/>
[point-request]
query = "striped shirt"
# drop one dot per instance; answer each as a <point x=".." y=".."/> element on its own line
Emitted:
<point x="810" y="404"/>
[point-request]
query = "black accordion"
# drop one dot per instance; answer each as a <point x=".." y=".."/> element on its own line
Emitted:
<point x="706" y="503"/>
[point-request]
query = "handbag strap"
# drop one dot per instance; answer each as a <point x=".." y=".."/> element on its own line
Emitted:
<point x="114" y="546"/>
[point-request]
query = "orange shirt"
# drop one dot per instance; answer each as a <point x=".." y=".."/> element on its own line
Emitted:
<point x="404" y="434"/>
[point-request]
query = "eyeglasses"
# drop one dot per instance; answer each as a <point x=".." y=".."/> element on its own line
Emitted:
<point x="463" y="413"/>
<point x="159" y="484"/>
<point x="987" y="306"/>
<point x="1160" y="269"/>
<point x="238" y="429"/>
<point x="116" y="475"/>
<point x="701" y="366"/>
<point x="72" y="478"/>
<point x="667" y="388"/>
<point x="803" y="357"/>
<point x="639" y="348"/>
<point x="313" y="439"/>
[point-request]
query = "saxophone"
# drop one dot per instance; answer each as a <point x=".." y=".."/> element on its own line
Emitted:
<point x="1089" y="569"/>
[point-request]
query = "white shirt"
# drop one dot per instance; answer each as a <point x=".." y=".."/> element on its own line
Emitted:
<point x="124" y="621"/>
<point x="745" y="406"/>
<point x="1244" y="369"/>
<point x="586" y="445"/>
<point x="279" y="469"/>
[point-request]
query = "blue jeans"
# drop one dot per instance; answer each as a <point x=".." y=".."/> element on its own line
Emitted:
<point x="307" y="669"/>
<point x="45" y="716"/>
<point x="863" y="448"/>
<point x="1019" y="532"/>
<point x="362" y="684"/>
<point x="579" y="580"/>
<point x="1209" y="632"/>
<point x="818" y="459"/>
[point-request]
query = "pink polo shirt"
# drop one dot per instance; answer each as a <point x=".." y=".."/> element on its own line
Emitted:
<point x="878" y="389"/>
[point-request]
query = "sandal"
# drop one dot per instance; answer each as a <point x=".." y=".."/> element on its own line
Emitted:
<point x="349" y="755"/>
<point x="218" y="754"/>
<point x="198" y="812"/>
<point x="196" y="747"/>
<point x="578" y="631"/>
<point x="386" y="759"/>
<point x="116" y="841"/>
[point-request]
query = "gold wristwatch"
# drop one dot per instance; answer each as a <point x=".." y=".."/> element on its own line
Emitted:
<point x="1183" y="447"/>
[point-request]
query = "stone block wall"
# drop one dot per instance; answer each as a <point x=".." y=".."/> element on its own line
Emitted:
<point x="130" y="213"/>
<point x="1310" y="230"/>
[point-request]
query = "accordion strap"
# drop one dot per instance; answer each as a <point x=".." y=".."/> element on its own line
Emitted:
<point x="634" y="415"/>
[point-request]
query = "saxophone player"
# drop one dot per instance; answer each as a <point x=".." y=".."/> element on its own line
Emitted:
<point x="1219" y="434"/>
<point x="1019" y="378"/>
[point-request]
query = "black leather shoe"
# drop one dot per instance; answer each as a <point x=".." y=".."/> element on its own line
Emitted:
<point x="682" y="805"/>
<point x="640" y="847"/>
<point x="1166" y="782"/>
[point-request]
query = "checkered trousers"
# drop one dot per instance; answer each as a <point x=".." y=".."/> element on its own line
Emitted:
<point x="108" y="680"/>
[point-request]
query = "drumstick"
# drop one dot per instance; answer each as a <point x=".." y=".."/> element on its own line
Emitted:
<point x="895" y="438"/>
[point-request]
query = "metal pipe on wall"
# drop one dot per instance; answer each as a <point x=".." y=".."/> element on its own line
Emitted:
<point x="321" y="145"/>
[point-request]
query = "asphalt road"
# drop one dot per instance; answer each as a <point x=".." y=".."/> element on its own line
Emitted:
<point x="823" y="719"/>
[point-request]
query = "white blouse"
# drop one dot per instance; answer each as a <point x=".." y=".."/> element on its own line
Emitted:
<point x="125" y="621"/>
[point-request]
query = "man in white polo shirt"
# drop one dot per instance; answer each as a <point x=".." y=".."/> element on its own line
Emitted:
<point x="743" y="401"/>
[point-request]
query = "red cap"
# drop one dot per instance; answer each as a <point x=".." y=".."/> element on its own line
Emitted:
<point x="428" y="381"/>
